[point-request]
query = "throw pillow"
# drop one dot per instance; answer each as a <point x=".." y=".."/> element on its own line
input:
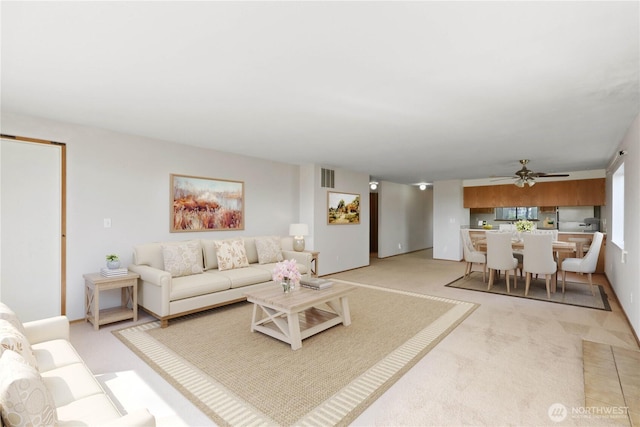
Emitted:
<point x="12" y="339"/>
<point x="182" y="259"/>
<point x="7" y="314"/>
<point x="231" y="254"/>
<point x="269" y="250"/>
<point x="24" y="399"/>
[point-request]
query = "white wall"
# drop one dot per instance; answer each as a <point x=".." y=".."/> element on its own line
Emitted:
<point x="624" y="277"/>
<point x="346" y="246"/>
<point x="126" y="178"/>
<point x="449" y="215"/>
<point x="404" y="219"/>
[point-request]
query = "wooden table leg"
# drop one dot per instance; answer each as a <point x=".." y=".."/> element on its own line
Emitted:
<point x="96" y="308"/>
<point x="346" y="314"/>
<point x="294" y="331"/>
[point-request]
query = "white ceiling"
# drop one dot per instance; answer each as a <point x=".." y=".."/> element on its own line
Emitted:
<point x="403" y="91"/>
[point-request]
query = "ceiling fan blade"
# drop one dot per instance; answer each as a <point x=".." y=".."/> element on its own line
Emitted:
<point x="549" y="175"/>
<point x="502" y="178"/>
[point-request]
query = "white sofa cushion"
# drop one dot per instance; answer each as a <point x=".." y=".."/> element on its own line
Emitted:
<point x="94" y="410"/>
<point x="241" y="277"/>
<point x="209" y="252"/>
<point x="269" y="250"/>
<point x="55" y="354"/>
<point x="185" y="287"/>
<point x="250" y="249"/>
<point x="269" y="267"/>
<point x="231" y="254"/>
<point x="149" y="254"/>
<point x="70" y="383"/>
<point x="24" y="398"/>
<point x="183" y="259"/>
<point x="12" y="339"/>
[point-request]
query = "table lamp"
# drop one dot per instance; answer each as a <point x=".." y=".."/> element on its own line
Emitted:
<point x="298" y="231"/>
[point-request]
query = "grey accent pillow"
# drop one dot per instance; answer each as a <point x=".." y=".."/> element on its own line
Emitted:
<point x="269" y="250"/>
<point x="183" y="259"/>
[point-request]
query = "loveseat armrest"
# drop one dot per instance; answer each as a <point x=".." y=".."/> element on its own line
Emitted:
<point x="303" y="258"/>
<point x="151" y="274"/>
<point x="140" y="417"/>
<point x="48" y="329"/>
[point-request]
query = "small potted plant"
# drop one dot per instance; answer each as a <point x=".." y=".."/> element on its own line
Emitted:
<point x="113" y="261"/>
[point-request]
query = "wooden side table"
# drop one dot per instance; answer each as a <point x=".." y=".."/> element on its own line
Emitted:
<point x="96" y="283"/>
<point x="314" y="262"/>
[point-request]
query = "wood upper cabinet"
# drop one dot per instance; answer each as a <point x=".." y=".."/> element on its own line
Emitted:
<point x="582" y="192"/>
<point x="481" y="210"/>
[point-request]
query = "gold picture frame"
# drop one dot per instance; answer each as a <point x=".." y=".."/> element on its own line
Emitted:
<point x="343" y="208"/>
<point x="206" y="204"/>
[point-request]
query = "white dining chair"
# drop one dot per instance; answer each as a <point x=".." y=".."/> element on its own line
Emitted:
<point x="500" y="257"/>
<point x="471" y="255"/>
<point x="586" y="264"/>
<point x="538" y="258"/>
<point x="554" y="233"/>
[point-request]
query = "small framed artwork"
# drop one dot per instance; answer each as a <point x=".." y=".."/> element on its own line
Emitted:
<point x="344" y="208"/>
<point x="206" y="204"/>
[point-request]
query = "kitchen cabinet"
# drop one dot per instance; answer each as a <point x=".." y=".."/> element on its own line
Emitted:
<point x="481" y="210"/>
<point x="583" y="192"/>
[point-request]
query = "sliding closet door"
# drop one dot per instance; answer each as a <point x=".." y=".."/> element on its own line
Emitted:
<point x="31" y="228"/>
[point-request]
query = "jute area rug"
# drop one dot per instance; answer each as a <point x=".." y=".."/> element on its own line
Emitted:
<point x="578" y="294"/>
<point x="242" y="378"/>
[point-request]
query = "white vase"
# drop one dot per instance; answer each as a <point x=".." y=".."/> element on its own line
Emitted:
<point x="112" y="265"/>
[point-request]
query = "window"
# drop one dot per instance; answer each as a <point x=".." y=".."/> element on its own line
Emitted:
<point x="617" y="207"/>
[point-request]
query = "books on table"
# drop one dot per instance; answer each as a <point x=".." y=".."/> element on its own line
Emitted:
<point x="113" y="272"/>
<point x="315" y="283"/>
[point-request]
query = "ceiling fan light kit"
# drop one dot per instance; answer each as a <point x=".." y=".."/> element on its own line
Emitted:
<point x="527" y="176"/>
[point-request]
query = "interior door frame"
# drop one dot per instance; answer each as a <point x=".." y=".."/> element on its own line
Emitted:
<point x="63" y="213"/>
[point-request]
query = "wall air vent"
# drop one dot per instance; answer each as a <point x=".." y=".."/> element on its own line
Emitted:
<point x="327" y="177"/>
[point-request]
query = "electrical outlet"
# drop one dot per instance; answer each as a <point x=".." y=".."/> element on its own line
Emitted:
<point x="107" y="223"/>
<point x="399" y="245"/>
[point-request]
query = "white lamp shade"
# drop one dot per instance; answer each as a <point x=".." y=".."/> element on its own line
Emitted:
<point x="298" y="230"/>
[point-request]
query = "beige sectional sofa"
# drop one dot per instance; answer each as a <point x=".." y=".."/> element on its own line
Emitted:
<point x="44" y="381"/>
<point x="178" y="278"/>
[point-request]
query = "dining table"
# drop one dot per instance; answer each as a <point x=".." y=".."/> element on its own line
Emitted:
<point x="568" y="249"/>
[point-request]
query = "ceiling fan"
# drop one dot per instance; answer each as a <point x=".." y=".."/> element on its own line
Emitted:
<point x="528" y="177"/>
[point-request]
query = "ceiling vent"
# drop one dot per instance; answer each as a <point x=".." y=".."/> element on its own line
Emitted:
<point x="327" y="177"/>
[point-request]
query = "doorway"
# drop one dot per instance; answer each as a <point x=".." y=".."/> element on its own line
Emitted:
<point x="373" y="223"/>
<point x="32" y="227"/>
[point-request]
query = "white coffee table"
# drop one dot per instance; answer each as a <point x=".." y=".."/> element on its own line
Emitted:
<point x="299" y="314"/>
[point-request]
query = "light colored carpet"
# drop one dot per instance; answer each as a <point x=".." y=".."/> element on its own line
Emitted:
<point x="242" y="378"/>
<point x="578" y="294"/>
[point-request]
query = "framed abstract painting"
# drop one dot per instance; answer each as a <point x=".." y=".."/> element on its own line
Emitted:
<point x="206" y="204"/>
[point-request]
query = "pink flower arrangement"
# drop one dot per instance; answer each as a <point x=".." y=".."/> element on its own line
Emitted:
<point x="286" y="269"/>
